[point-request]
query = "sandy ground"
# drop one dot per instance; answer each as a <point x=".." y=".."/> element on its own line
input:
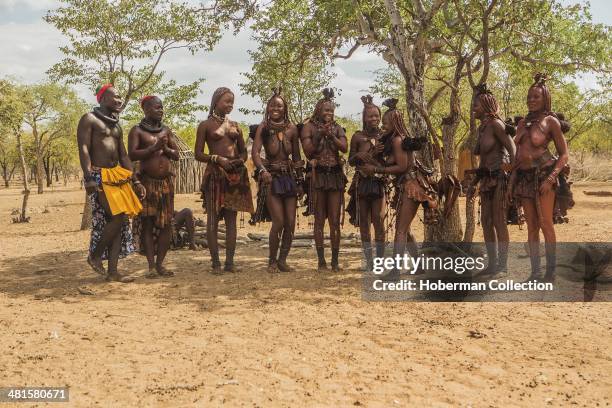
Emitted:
<point x="300" y="339"/>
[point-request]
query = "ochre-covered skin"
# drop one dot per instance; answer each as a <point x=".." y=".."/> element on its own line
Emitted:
<point x="496" y="150"/>
<point x="323" y="140"/>
<point x="367" y="203"/>
<point x="535" y="177"/>
<point x="154" y="146"/>
<point x="225" y="185"/>
<point x="279" y="177"/>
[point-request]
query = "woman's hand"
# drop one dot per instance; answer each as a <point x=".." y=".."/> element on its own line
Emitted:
<point x="224" y="163"/>
<point x="141" y="191"/>
<point x="237" y="162"/>
<point x="160" y="143"/>
<point x="378" y="148"/>
<point x="265" y="177"/>
<point x="546" y="186"/>
<point x="91" y="187"/>
<point x="368" y="169"/>
<point x="363" y="156"/>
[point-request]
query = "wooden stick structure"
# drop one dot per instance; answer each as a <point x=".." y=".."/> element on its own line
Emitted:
<point x="300" y="240"/>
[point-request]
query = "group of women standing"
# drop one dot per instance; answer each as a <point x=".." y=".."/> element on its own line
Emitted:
<point x="386" y="163"/>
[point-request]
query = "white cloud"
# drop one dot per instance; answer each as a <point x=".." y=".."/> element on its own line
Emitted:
<point x="33" y="47"/>
<point x="36" y="5"/>
<point x="30" y="47"/>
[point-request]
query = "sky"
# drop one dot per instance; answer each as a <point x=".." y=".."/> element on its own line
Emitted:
<point x="30" y="47"/>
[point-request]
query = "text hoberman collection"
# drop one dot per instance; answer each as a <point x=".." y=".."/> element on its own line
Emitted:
<point x="439" y="285"/>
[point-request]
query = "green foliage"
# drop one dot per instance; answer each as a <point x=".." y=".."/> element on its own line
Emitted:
<point x="110" y="41"/>
<point x="521" y="39"/>
<point x="123" y="42"/>
<point x="187" y="133"/>
<point x="52" y="112"/>
<point x="179" y="103"/>
<point x="350" y="125"/>
<point x="12" y="112"/>
<point x="11" y="108"/>
<point x="388" y="83"/>
<point x="277" y="62"/>
<point x="43" y="118"/>
<point x="9" y="156"/>
<point x="301" y="86"/>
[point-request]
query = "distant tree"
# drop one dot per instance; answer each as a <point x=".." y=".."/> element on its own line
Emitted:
<point x="179" y="101"/>
<point x="52" y="112"/>
<point x="11" y="119"/>
<point x="9" y="157"/>
<point x="277" y="62"/>
<point x="124" y="41"/>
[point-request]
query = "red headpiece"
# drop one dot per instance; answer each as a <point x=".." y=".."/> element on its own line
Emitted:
<point x="144" y="99"/>
<point x="100" y="91"/>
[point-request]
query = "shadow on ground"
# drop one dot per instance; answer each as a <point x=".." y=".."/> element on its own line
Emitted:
<point x="63" y="276"/>
<point x="66" y="276"/>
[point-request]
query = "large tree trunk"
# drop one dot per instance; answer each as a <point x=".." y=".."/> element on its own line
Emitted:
<point x="40" y="171"/>
<point x="470" y="206"/>
<point x="5" y="175"/>
<point x="409" y="51"/>
<point x="26" y="190"/>
<point x="450" y="229"/>
<point x="47" y="168"/>
<point x="39" y="158"/>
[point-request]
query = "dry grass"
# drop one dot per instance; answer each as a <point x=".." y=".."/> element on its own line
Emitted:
<point x="590" y="167"/>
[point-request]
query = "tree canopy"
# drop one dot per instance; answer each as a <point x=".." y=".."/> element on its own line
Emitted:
<point x="123" y="42"/>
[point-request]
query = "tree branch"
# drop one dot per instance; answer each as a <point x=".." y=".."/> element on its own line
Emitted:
<point x="349" y="54"/>
<point x="437" y="138"/>
<point x="572" y="64"/>
<point x="435" y="96"/>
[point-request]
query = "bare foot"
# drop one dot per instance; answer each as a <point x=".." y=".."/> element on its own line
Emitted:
<point x="96" y="265"/>
<point x="502" y="269"/>
<point x="273" y="268"/>
<point x="162" y="271"/>
<point x="216" y="270"/>
<point x="490" y="270"/>
<point x="117" y="277"/>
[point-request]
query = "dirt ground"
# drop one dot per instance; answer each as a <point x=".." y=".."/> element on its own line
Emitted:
<point x="299" y="339"/>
